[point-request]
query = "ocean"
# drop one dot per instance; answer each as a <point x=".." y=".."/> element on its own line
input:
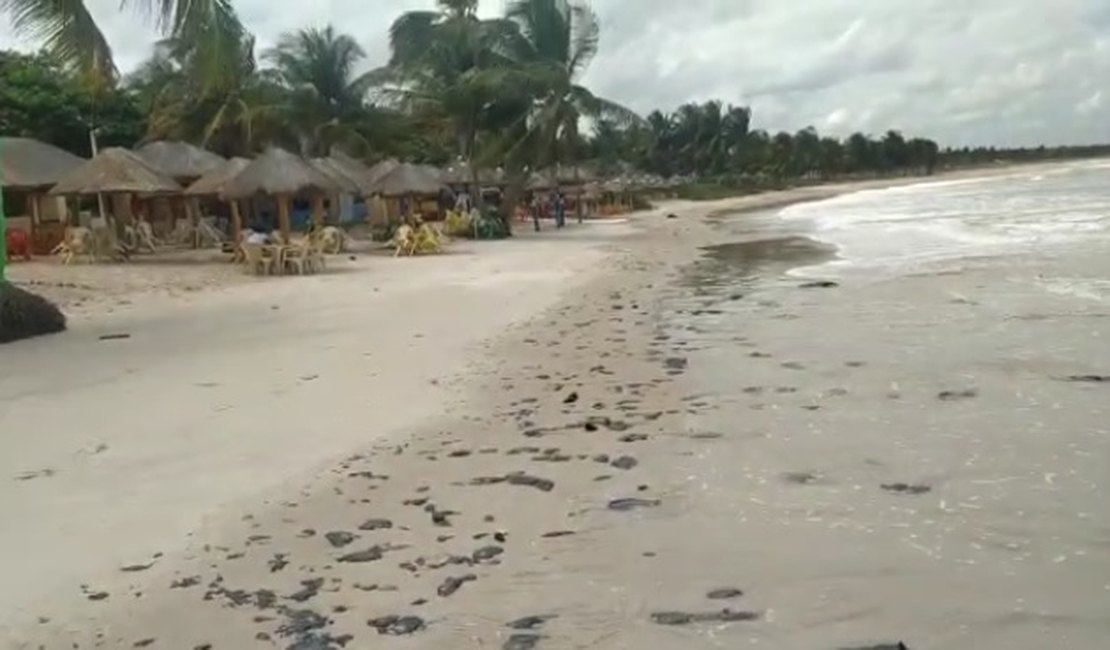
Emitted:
<point x="949" y="224"/>
<point x="919" y="449"/>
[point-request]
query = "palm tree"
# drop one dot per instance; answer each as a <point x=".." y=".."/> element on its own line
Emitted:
<point x="452" y="64"/>
<point x="325" y="96"/>
<point x="68" y="31"/>
<point x="559" y="39"/>
<point x="235" y="113"/>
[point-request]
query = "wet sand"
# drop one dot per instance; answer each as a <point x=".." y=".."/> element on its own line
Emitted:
<point x="690" y="450"/>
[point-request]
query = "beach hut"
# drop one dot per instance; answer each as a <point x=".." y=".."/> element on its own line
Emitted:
<point x="212" y="185"/>
<point x="115" y="171"/>
<point x="184" y="163"/>
<point x="282" y="175"/>
<point x="28" y="169"/>
<point x="410" y="182"/>
<point x="350" y="178"/>
<point x="122" y="177"/>
<point x="180" y="161"/>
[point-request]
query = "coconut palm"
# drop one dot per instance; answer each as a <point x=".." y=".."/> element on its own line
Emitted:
<point x="68" y="31"/>
<point x="326" y="99"/>
<point x="235" y="113"/>
<point x="451" y="64"/>
<point x="558" y="40"/>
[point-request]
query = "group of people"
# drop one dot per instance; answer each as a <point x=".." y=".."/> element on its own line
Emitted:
<point x="553" y="203"/>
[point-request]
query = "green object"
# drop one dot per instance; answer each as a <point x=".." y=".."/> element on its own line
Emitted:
<point x="491" y="225"/>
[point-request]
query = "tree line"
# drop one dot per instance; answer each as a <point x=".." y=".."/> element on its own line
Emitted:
<point x="501" y="91"/>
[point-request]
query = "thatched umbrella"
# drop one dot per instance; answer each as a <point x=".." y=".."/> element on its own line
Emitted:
<point x="31" y="167"/>
<point x="347" y="178"/>
<point x="458" y="173"/>
<point x="212" y="184"/>
<point x="380" y="169"/>
<point x="27" y="164"/>
<point x="182" y="162"/>
<point x="179" y="160"/>
<point x="115" y="171"/>
<point x="282" y="175"/>
<point x="538" y="181"/>
<point x="408" y="180"/>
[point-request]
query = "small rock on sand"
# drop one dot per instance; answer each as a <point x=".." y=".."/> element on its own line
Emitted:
<point x="371" y="554"/>
<point x="340" y="538"/>
<point x="625" y="462"/>
<point x="376" y="524"/>
<point x="397" y="625"/>
<point x="486" y="553"/>
<point x="631" y="503"/>
<point x="453" y="584"/>
<point x="725" y="593"/>
<point x="820" y="284"/>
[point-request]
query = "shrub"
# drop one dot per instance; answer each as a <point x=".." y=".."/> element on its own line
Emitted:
<point x="24" y="314"/>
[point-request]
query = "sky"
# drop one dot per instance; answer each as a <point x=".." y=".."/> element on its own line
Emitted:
<point x="964" y="72"/>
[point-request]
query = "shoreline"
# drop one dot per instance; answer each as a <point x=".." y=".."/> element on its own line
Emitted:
<point x="675" y="437"/>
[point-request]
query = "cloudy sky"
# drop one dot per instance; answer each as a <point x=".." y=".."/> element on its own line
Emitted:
<point x="961" y="71"/>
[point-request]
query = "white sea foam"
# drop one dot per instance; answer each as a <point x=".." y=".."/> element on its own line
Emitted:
<point x="905" y="229"/>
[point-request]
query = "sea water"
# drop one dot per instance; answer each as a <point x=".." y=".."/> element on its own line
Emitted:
<point x="944" y="225"/>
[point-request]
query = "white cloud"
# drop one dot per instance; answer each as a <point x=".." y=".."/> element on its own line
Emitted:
<point x="1090" y="105"/>
<point x="964" y="72"/>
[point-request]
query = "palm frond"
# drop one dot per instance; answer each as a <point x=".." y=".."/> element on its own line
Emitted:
<point x="596" y="107"/>
<point x="67" y="30"/>
<point x="411" y="36"/>
<point x="585" y="36"/>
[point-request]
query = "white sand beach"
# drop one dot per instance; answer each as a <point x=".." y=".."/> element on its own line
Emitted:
<point x="242" y="420"/>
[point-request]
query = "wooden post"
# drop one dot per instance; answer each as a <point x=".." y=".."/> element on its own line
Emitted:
<point x="236" y="222"/>
<point x="318" y="210"/>
<point x="283" y="217"/>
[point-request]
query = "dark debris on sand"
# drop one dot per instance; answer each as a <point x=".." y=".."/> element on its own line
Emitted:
<point x="686" y="618"/>
<point x="957" y="395"/>
<point x="725" y="593"/>
<point x="632" y="503"/>
<point x="906" y="488"/>
<point x="397" y="625"/>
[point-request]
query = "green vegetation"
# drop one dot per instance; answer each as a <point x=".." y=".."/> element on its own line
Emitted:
<point x="502" y="91"/>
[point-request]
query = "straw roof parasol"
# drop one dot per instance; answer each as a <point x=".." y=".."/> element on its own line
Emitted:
<point x="572" y="174"/>
<point x="459" y="172"/>
<point x="354" y="169"/>
<point x="115" y="170"/>
<point x="29" y="164"/>
<point x="405" y="179"/>
<point x="346" y="181"/>
<point x="462" y="173"/>
<point x="540" y="181"/>
<point x="380" y="169"/>
<point x="434" y="172"/>
<point x="179" y="159"/>
<point x="277" y="172"/>
<point x="212" y="183"/>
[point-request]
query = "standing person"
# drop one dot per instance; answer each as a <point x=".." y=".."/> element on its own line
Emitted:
<point x="534" y="205"/>
<point x="560" y="210"/>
